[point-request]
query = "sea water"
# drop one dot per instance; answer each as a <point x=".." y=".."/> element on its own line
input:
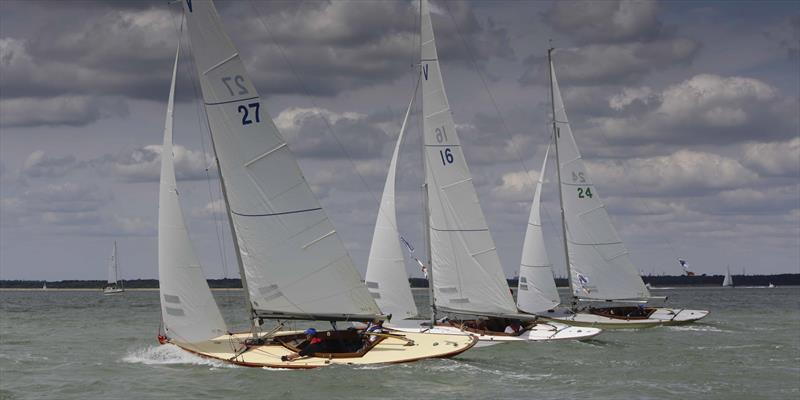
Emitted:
<point x="84" y="345"/>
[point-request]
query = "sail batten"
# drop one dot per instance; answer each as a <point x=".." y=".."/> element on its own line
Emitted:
<point x="468" y="276"/>
<point x="600" y="267"/>
<point x="282" y="233"/>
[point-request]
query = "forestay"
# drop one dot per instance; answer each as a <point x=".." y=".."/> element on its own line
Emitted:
<point x="294" y="262"/>
<point x="386" y="276"/>
<point x="600" y="266"/>
<point x="537" y="288"/>
<point x="467" y="274"/>
<point x="188" y="309"/>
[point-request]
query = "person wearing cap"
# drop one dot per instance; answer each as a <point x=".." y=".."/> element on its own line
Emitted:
<point x="311" y="345"/>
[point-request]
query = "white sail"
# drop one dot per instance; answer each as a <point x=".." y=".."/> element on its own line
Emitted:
<point x="537" y="289"/>
<point x="188" y="309"/>
<point x="467" y="274"/>
<point x="293" y="261"/>
<point x="112" y="266"/>
<point x="386" y="276"/>
<point x="600" y="266"/>
<point x="728" y="281"/>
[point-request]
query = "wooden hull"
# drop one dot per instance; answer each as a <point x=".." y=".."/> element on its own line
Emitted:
<point x="660" y="317"/>
<point x="390" y="350"/>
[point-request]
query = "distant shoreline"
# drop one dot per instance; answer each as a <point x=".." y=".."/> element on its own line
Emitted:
<point x="235" y="284"/>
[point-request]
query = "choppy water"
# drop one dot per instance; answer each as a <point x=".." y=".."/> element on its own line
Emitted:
<point x="83" y="345"/>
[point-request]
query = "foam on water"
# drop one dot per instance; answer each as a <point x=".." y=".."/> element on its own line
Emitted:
<point x="697" y="328"/>
<point x="169" y="354"/>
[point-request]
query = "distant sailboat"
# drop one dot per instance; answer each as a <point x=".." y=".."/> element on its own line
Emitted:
<point x="728" y="281"/>
<point x="466" y="277"/>
<point x="292" y="263"/>
<point x="115" y="285"/>
<point x="598" y="265"/>
<point x="44" y="286"/>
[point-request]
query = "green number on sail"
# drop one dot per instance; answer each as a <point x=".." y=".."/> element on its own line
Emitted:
<point x="584" y="193"/>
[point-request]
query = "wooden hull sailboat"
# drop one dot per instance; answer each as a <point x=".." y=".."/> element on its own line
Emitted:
<point x="466" y="278"/>
<point x="292" y="262"/>
<point x="114" y="286"/>
<point x="598" y="264"/>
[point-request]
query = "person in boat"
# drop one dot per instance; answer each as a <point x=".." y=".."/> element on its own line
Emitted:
<point x="513" y="328"/>
<point x="308" y="348"/>
<point x="376" y="326"/>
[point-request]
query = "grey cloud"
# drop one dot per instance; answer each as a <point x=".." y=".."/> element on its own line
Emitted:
<point x="65" y="197"/>
<point x="40" y="165"/>
<point x="606" y="21"/>
<point x="60" y="110"/>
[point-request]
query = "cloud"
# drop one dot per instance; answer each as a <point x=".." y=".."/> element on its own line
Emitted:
<point x="774" y="158"/>
<point x="308" y="131"/>
<point x="144" y="164"/>
<point x="40" y="165"/>
<point x="605" y="21"/>
<point x="60" y="110"/>
<point x="683" y="173"/>
<point x="212" y="210"/>
<point x="704" y="109"/>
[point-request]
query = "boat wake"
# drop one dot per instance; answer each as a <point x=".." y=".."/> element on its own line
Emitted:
<point x="169" y="354"/>
<point x="697" y="328"/>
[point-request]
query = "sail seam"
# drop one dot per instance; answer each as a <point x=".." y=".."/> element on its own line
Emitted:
<point x="275" y="214"/>
<point x="460" y="230"/>
<point x="231" y="101"/>
<point x="535" y="266"/>
<point x="318" y="239"/>
<point x="455" y="183"/>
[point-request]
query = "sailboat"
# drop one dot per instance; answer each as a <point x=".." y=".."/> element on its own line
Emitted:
<point x="598" y="264"/>
<point x="292" y="263"/>
<point x="466" y="278"/>
<point x="114" y="285"/>
<point x="728" y="281"/>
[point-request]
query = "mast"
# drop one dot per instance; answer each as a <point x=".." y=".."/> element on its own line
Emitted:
<point x="426" y="207"/>
<point x="558" y="171"/>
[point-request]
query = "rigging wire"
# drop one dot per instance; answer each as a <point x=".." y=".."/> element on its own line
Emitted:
<point x="204" y="129"/>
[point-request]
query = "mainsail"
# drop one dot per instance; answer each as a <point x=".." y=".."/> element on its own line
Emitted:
<point x="386" y="276"/>
<point x="291" y="258"/>
<point x="728" y="281"/>
<point x="188" y="309"/>
<point x="467" y="275"/>
<point x="537" y="288"/>
<point x="600" y="266"/>
<point x="112" y="265"/>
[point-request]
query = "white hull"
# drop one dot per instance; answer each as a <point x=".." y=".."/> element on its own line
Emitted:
<point x="113" y="290"/>
<point x="661" y="316"/>
<point x="543" y="331"/>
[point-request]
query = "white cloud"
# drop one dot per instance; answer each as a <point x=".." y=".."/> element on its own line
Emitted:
<point x="674" y="175"/>
<point x="774" y="158"/>
<point x="144" y="164"/>
<point x="39" y="164"/>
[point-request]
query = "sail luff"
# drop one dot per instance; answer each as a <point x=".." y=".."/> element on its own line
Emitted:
<point x="293" y="259"/>
<point x="599" y="264"/>
<point x="467" y="269"/>
<point x="536" y="289"/>
<point x="386" y="276"/>
<point x="188" y="309"/>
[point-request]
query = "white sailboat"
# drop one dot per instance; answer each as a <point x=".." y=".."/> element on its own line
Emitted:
<point x="292" y="262"/>
<point x="598" y="264"/>
<point x="114" y="286"/>
<point x="466" y="278"/>
<point x="728" y="280"/>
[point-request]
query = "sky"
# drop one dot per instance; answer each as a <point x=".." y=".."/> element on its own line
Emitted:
<point x="687" y="114"/>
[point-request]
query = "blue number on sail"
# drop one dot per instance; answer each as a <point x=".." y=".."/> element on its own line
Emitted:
<point x="425" y="71"/>
<point x="447" y="156"/>
<point x="246" y="113"/>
